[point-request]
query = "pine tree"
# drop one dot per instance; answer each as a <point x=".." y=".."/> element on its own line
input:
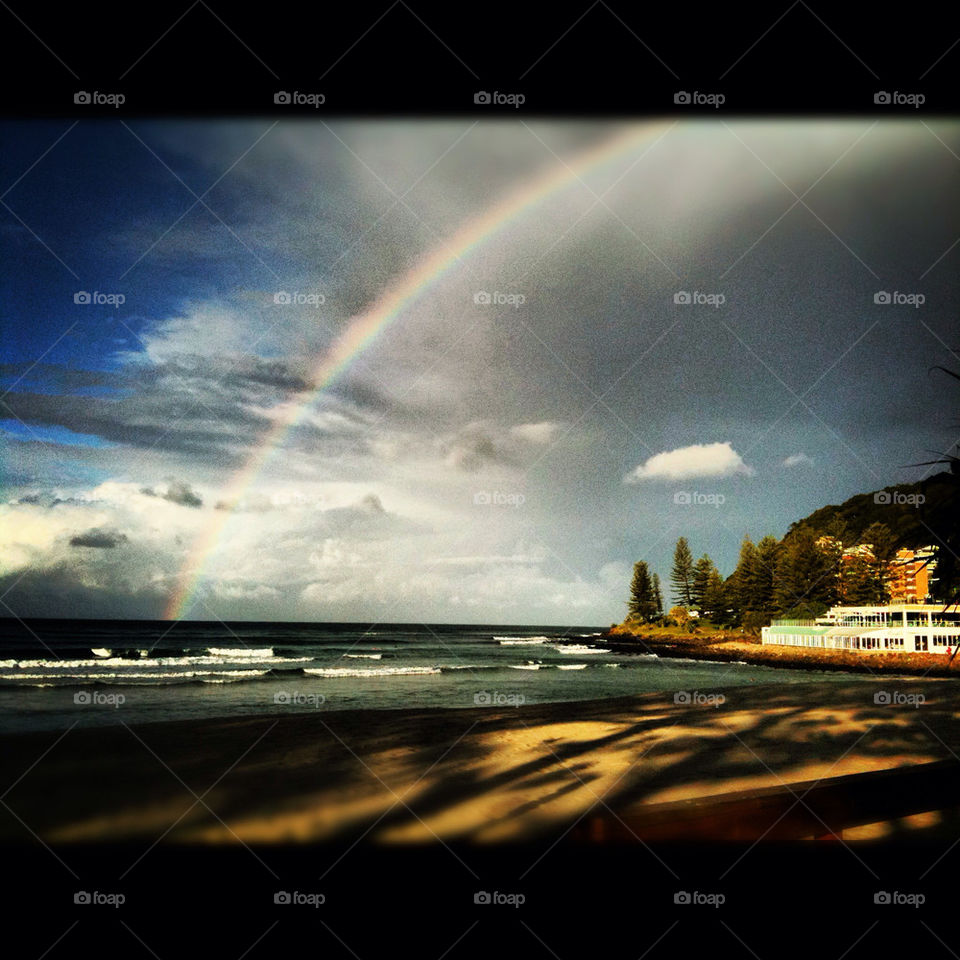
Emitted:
<point x="713" y="606"/>
<point x="701" y="577"/>
<point x="681" y="577"/>
<point x="642" y="604"/>
<point x="805" y="580"/>
<point x="746" y="585"/>
<point x="657" y="595"/>
<point x="767" y="550"/>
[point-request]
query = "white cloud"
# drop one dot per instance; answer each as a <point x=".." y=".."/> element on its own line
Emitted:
<point x="543" y="432"/>
<point x="797" y="460"/>
<point x="698" y="460"/>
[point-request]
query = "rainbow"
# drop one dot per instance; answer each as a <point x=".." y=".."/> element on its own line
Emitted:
<point x="363" y="329"/>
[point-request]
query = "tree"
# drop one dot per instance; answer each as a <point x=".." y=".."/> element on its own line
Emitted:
<point x="681" y="577"/>
<point x="767" y="550"/>
<point x="806" y="574"/>
<point x="745" y="585"/>
<point x="701" y="577"/>
<point x="642" y="605"/>
<point x="657" y="595"/>
<point x="863" y="582"/>
<point x="680" y="616"/>
<point x="714" y="603"/>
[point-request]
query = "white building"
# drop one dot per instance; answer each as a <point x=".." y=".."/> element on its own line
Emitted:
<point x="900" y="627"/>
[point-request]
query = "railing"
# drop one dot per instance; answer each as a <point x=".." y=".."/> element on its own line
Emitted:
<point x="796" y="623"/>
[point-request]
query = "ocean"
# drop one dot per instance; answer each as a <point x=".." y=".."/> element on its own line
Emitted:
<point x="57" y="673"/>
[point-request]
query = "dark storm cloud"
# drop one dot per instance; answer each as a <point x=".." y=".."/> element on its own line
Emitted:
<point x="62" y="378"/>
<point x="59" y="591"/>
<point x="178" y="491"/>
<point x="100" y="539"/>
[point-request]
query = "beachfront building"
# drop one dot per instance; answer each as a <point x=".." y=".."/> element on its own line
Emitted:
<point x="897" y="627"/>
<point x="910" y="575"/>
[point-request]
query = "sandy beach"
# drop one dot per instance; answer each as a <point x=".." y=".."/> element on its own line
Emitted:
<point x="473" y="775"/>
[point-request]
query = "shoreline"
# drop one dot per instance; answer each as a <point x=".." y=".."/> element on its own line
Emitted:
<point x="475" y="775"/>
<point x="722" y="649"/>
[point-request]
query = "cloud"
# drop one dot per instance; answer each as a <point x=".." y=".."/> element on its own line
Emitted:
<point x="797" y="460"/>
<point x="178" y="491"/>
<point x="540" y="433"/>
<point x="698" y="460"/>
<point x="102" y="539"/>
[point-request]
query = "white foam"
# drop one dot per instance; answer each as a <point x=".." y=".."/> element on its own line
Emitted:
<point x="519" y="641"/>
<point x="571" y="666"/>
<point x="524" y="666"/>
<point x="153" y="675"/>
<point x="120" y="662"/>
<point x="261" y="653"/>
<point x="364" y="656"/>
<point x="333" y="672"/>
<point x="577" y="648"/>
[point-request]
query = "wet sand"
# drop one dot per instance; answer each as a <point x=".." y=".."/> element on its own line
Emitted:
<point x="480" y="775"/>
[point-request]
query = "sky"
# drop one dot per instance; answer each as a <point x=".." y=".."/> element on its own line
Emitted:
<point x="658" y="329"/>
